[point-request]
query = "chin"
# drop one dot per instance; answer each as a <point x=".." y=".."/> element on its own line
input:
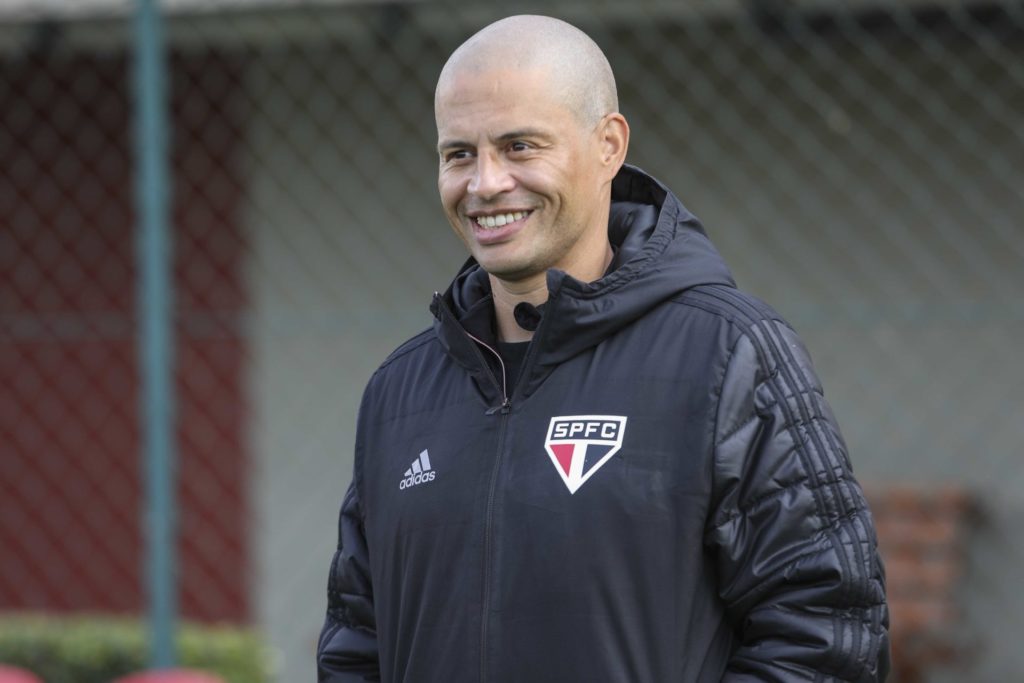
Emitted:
<point x="506" y="273"/>
<point x="508" y="267"/>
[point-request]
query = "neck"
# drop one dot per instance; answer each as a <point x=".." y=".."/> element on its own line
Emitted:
<point x="507" y="295"/>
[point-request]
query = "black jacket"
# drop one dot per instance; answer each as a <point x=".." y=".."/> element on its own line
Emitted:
<point x="664" y="497"/>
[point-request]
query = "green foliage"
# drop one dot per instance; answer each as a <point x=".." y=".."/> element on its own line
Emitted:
<point x="98" y="649"/>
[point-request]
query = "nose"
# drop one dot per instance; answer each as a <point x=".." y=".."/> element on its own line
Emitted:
<point x="490" y="177"/>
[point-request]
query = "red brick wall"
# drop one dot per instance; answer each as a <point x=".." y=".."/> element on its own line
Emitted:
<point x="70" y="476"/>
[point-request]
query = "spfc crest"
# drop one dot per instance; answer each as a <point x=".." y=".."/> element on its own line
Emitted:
<point x="579" y="444"/>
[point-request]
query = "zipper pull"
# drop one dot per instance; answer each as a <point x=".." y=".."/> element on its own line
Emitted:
<point x="505" y="406"/>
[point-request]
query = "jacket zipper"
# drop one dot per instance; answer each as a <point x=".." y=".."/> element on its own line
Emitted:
<point x="505" y="402"/>
<point x="504" y="408"/>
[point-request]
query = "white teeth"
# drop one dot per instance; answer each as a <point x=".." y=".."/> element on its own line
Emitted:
<point x="500" y="219"/>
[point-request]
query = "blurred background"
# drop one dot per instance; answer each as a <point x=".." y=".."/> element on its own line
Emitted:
<point x="860" y="164"/>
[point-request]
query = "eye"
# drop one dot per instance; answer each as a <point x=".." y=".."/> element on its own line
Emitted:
<point x="519" y="146"/>
<point x="451" y="155"/>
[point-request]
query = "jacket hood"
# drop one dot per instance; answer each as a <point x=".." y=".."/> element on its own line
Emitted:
<point x="661" y="250"/>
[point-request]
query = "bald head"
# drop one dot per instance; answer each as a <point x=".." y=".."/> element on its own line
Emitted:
<point x="529" y="141"/>
<point x="575" y="66"/>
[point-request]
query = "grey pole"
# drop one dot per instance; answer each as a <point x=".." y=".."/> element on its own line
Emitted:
<point x="155" y="339"/>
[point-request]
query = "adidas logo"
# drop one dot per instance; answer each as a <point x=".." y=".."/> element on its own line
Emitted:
<point x="420" y="473"/>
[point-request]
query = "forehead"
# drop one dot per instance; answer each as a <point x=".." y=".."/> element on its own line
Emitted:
<point x="488" y="100"/>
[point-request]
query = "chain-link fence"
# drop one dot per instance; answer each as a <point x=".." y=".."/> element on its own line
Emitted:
<point x="860" y="165"/>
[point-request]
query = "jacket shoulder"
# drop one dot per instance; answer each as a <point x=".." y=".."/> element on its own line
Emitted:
<point x="731" y="304"/>
<point x="412" y="346"/>
<point x="760" y="341"/>
<point x="408" y="354"/>
<point x="760" y="326"/>
<point x="388" y="380"/>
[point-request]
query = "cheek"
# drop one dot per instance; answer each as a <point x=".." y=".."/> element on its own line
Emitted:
<point x="448" y="188"/>
<point x="558" y="178"/>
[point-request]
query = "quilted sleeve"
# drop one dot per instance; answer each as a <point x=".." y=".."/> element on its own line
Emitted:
<point x="347" y="651"/>
<point x="795" y="547"/>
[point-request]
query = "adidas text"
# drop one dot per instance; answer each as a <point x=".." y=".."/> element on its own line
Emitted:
<point x="417" y="479"/>
<point x="420" y="473"/>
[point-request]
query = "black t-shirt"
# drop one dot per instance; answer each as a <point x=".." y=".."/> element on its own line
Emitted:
<point x="512" y="355"/>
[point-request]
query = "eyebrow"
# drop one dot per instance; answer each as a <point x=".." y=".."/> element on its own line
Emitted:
<point x="504" y="137"/>
<point x="522" y="133"/>
<point x="450" y="144"/>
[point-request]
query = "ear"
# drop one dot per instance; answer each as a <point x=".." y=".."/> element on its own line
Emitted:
<point x="613" y="137"/>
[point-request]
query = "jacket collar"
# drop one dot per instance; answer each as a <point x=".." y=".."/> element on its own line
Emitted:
<point x="661" y="250"/>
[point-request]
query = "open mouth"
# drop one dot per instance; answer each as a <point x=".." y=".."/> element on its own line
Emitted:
<point x="500" y="220"/>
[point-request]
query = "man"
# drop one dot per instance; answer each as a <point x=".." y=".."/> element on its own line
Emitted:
<point x="603" y="463"/>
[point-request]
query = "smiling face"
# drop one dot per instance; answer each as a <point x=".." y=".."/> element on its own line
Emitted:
<point x="523" y="180"/>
